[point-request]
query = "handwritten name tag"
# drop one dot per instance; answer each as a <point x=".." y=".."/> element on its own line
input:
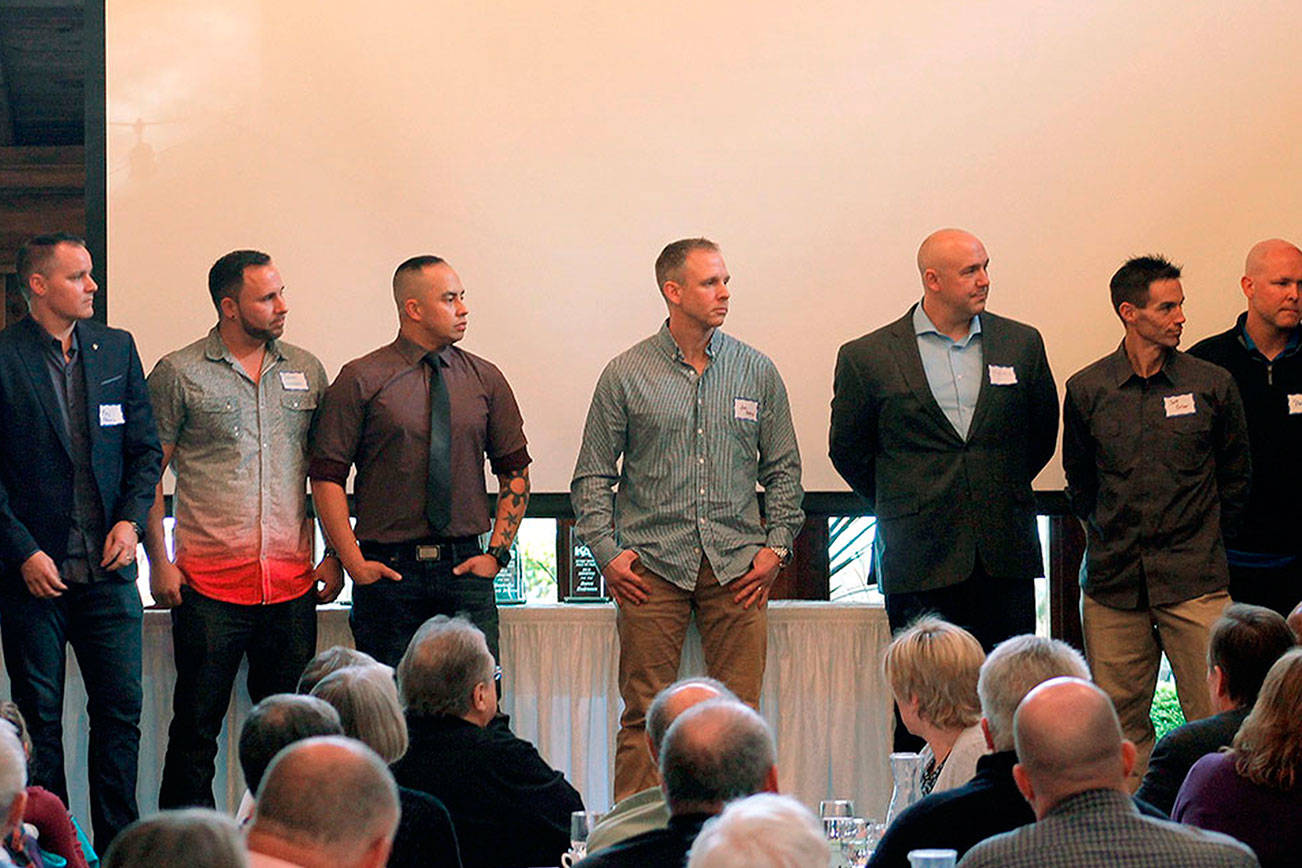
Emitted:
<point x="745" y="408"/>
<point x="1002" y="375"/>
<point x="293" y="381"/>
<point x="111" y="414"/>
<point x="1179" y="405"/>
<point x="1294" y="404"/>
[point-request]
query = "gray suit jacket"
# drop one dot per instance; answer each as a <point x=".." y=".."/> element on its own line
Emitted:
<point x="941" y="502"/>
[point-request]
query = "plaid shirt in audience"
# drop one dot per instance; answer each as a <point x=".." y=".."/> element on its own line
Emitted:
<point x="1103" y="828"/>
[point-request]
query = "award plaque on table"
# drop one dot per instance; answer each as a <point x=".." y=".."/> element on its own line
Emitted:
<point x="586" y="582"/>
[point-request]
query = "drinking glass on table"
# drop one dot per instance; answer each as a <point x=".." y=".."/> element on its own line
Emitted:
<point x="581" y="823"/>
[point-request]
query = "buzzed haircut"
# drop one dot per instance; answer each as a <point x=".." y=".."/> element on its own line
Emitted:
<point x="715" y="752"/>
<point x="1132" y="280"/>
<point x="669" y="263"/>
<point x="657" y="716"/>
<point x="1245" y="642"/>
<point x="35" y="254"/>
<point x="279" y="720"/>
<point x="340" y="803"/>
<point x="226" y="276"/>
<point x="332" y="659"/>
<point x="415" y="264"/>
<point x="444" y="661"/>
<point x="1010" y="672"/>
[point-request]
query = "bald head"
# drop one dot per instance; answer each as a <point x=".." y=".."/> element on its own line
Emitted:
<point x="308" y="787"/>
<point x="674" y="700"/>
<point x="1264" y="253"/>
<point x="714" y="752"/>
<point x="945" y="246"/>
<point x="1068" y="741"/>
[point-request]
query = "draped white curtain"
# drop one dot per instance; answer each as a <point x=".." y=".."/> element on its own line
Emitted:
<point x="823" y="694"/>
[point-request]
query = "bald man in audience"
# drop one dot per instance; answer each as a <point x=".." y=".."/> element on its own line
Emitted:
<point x="1072" y="769"/>
<point x="715" y="752"/>
<point x="646" y="809"/>
<point x="940" y="421"/>
<point x="417" y="418"/>
<point x="326" y="802"/>
<point x="1263" y="352"/>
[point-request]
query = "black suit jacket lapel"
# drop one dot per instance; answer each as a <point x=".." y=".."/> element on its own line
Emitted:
<point x="32" y="350"/>
<point x="910" y="362"/>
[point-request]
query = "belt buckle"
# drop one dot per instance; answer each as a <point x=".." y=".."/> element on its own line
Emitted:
<point x="429" y="553"/>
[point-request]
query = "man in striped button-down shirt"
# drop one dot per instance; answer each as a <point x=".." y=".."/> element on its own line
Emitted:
<point x="698" y="418"/>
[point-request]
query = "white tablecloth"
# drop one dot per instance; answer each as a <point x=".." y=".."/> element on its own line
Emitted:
<point x="823" y="694"/>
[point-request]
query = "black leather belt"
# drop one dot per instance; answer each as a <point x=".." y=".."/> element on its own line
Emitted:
<point x="437" y="549"/>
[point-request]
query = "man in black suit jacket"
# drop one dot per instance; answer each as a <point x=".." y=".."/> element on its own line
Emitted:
<point x="1244" y="643"/>
<point x="79" y="459"/>
<point x="941" y="420"/>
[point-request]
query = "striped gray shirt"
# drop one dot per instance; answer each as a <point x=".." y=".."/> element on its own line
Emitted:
<point x="693" y="449"/>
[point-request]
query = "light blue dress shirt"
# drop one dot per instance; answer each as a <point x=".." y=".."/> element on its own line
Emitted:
<point x="953" y="368"/>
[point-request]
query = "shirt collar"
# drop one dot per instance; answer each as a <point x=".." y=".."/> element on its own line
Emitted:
<point x="54" y="345"/>
<point x="1294" y="340"/>
<point x="922" y="325"/>
<point x="1122" y="371"/>
<point x="413" y="353"/>
<point x="215" y="349"/>
<point x="670" y="346"/>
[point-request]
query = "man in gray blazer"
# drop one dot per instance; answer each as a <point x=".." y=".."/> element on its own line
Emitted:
<point x="940" y="420"/>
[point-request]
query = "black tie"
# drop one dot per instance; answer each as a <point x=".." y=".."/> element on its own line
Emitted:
<point x="438" y="481"/>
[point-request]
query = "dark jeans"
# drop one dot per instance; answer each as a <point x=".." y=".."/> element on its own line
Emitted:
<point x="991" y="609"/>
<point x="386" y="614"/>
<point x="1278" y="588"/>
<point x="102" y="623"/>
<point x="209" y="639"/>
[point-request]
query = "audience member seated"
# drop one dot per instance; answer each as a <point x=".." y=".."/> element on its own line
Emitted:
<point x="1254" y="791"/>
<point x="508" y="806"/>
<point x="1295" y="620"/>
<point x="932" y="668"/>
<point x="715" y="752"/>
<point x="325" y="802"/>
<point x="194" y="837"/>
<point x="272" y="725"/>
<point x="1072" y="769"/>
<point x="761" y="831"/>
<point x="18" y="848"/>
<point x="56" y="832"/>
<point x="646" y="810"/>
<point x="1244" y="642"/>
<point x="990" y="803"/>
<point x="367" y="701"/>
<point x="332" y="659"/>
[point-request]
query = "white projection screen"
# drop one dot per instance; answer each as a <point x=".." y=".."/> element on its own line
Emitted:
<point x="549" y="150"/>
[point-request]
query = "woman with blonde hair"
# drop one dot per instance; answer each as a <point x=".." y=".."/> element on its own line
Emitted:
<point x="932" y="668"/>
<point x="1253" y="791"/>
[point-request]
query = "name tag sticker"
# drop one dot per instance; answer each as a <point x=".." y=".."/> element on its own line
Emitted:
<point x="745" y="408"/>
<point x="293" y="381"/>
<point x="1002" y="375"/>
<point x="1180" y="405"/>
<point x="111" y="414"/>
<point x="1294" y="404"/>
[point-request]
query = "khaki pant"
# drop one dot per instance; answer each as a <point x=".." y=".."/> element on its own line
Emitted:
<point x="1124" y="649"/>
<point x="734" y="641"/>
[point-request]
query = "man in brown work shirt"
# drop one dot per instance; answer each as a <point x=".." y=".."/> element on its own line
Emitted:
<point x="376" y="415"/>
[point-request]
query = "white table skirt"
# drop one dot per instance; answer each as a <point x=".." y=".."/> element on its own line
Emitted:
<point x="823" y="694"/>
